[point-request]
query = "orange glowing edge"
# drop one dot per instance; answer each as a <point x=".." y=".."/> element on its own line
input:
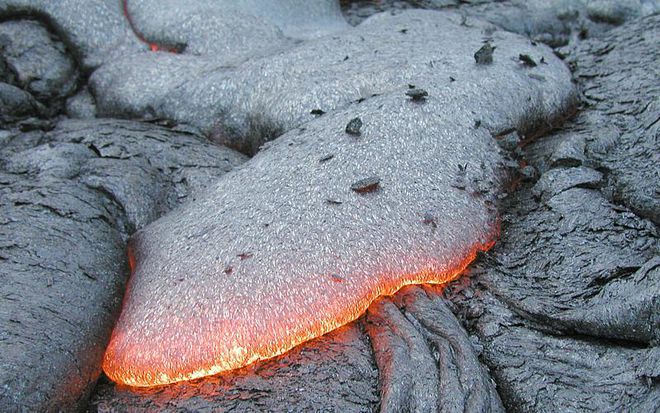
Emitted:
<point x="239" y="356"/>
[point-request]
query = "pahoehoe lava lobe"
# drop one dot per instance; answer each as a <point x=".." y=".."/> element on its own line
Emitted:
<point x="282" y="250"/>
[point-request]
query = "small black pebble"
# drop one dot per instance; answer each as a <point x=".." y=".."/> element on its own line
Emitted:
<point x="326" y="158"/>
<point x="527" y="60"/>
<point x="509" y="142"/>
<point x="543" y="62"/>
<point x="353" y="127"/>
<point x="346" y="58"/>
<point x="417" y="94"/>
<point x="484" y="56"/>
<point x="477" y="124"/>
<point x="429" y="219"/>
<point x="333" y="202"/>
<point x="528" y="173"/>
<point x="317" y="112"/>
<point x="337" y="278"/>
<point x="404" y="31"/>
<point x="366" y="185"/>
<point x="452" y="79"/>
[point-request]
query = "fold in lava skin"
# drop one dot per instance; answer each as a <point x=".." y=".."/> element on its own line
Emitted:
<point x="285" y="249"/>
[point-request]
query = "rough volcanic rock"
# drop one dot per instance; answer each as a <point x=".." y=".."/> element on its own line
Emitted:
<point x="232" y="31"/>
<point x="94" y="30"/>
<point x="81" y="105"/>
<point x="15" y="104"/>
<point x="68" y="200"/>
<point x="619" y="79"/>
<point x="245" y="106"/>
<point x="554" y="22"/>
<point x="36" y="62"/>
<point x="570" y="296"/>
<point x="426" y="361"/>
<point x="335" y="372"/>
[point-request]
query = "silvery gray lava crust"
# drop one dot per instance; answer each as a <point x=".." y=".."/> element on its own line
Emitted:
<point x="95" y="30"/>
<point x="232" y="31"/>
<point x="289" y="242"/>
<point x="562" y="315"/>
<point x="260" y="99"/>
<point x="554" y="22"/>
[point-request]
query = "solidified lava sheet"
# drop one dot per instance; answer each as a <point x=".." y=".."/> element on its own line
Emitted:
<point x="335" y="212"/>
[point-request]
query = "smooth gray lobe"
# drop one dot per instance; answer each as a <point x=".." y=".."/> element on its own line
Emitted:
<point x="232" y="31"/>
<point x="553" y="22"/>
<point x="258" y="100"/>
<point x="271" y="223"/>
<point x="95" y="30"/>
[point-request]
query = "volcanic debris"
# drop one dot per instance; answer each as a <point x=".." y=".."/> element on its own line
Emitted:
<point x="484" y="56"/>
<point x="353" y="127"/>
<point x="366" y="185"/>
<point x="526" y="60"/>
<point x="417" y="94"/>
<point x="429" y="219"/>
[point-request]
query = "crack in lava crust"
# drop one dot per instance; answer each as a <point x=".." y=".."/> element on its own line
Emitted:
<point x="119" y="363"/>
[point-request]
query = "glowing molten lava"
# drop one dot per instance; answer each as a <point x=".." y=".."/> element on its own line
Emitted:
<point x="178" y="356"/>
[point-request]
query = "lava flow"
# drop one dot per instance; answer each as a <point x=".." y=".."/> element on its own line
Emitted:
<point x="153" y="46"/>
<point x="212" y="349"/>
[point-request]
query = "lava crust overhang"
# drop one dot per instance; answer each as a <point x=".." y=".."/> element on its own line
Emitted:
<point x="263" y="261"/>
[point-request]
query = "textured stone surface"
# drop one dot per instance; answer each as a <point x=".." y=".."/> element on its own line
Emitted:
<point x="569" y="297"/>
<point x="230" y="31"/>
<point x="36" y="62"/>
<point x="292" y="252"/>
<point x="418" y="344"/>
<point x="555" y="22"/>
<point x="562" y="316"/>
<point x="619" y="78"/>
<point x="257" y="101"/>
<point x="68" y="201"/>
<point x="96" y="30"/>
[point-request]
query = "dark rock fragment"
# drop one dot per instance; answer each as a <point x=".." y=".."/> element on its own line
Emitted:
<point x="317" y="112"/>
<point x="16" y="104"/>
<point x="353" y="127"/>
<point x="526" y="60"/>
<point x="509" y="142"/>
<point x="429" y="219"/>
<point x="366" y="185"/>
<point x="528" y="173"/>
<point x="417" y="94"/>
<point x="484" y="56"/>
